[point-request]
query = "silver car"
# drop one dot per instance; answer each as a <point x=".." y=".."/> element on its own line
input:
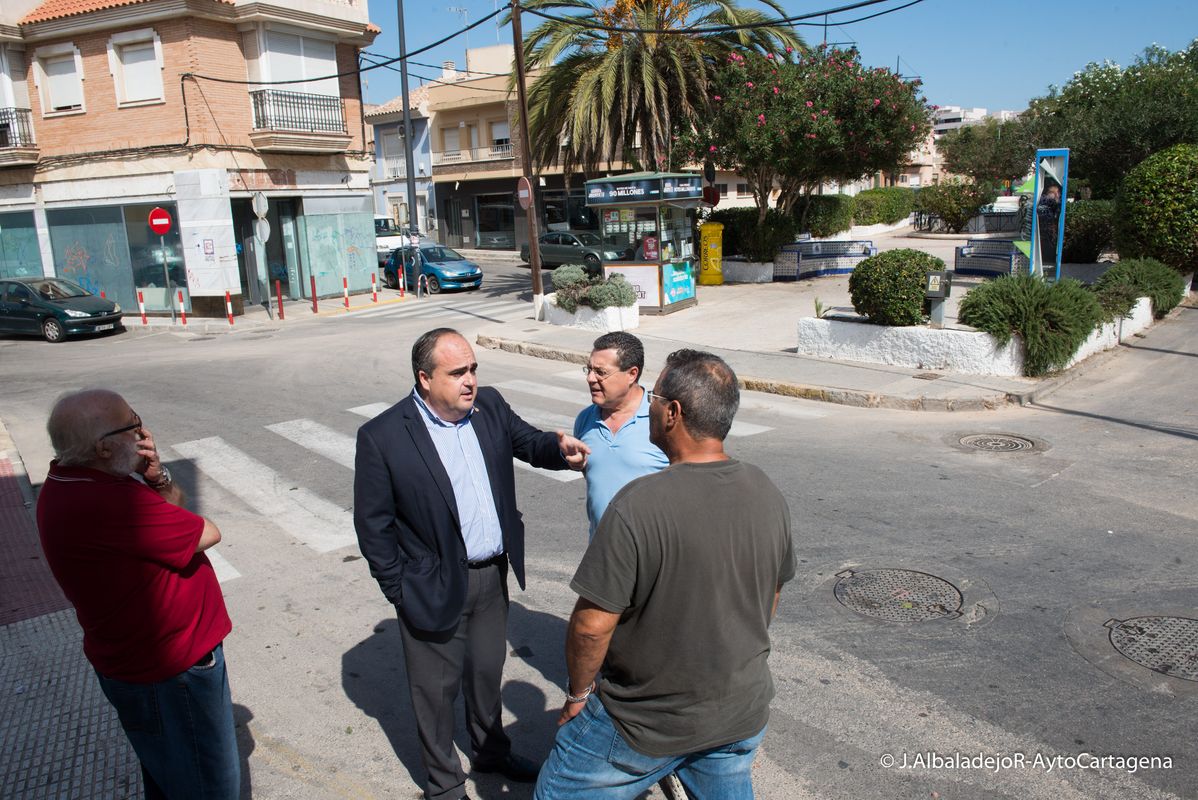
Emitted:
<point x="575" y="247"/>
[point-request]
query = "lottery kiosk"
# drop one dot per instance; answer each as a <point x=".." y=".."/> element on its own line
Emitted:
<point x="648" y="217"/>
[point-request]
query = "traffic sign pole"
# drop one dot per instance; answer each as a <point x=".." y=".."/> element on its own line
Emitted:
<point x="160" y="223"/>
<point x="166" y="277"/>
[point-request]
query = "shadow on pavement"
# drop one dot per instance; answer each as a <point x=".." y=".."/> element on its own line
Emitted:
<point x="245" y="746"/>
<point x="373" y="677"/>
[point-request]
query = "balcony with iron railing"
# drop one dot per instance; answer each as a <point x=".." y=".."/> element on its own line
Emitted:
<point x="469" y="155"/>
<point x="298" y="122"/>
<point x="17" y="147"/>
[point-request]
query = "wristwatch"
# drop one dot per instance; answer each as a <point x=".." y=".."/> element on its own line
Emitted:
<point x="164" y="479"/>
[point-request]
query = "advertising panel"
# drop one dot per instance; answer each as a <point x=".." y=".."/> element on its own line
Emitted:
<point x="644" y="280"/>
<point x="678" y="281"/>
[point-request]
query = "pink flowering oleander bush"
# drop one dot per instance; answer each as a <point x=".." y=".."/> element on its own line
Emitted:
<point x="796" y="120"/>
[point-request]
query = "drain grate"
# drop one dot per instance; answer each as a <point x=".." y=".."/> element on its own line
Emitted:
<point x="1168" y="645"/>
<point x="897" y="595"/>
<point x="997" y="442"/>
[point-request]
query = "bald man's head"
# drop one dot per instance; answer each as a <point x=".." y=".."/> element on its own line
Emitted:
<point x="79" y="420"/>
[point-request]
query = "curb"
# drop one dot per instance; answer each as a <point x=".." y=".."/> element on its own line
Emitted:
<point x="8" y="450"/>
<point x="823" y="394"/>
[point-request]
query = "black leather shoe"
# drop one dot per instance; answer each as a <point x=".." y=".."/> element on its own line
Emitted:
<point x="514" y="768"/>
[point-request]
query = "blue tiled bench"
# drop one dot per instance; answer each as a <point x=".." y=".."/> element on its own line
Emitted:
<point x="810" y="259"/>
<point x="989" y="257"/>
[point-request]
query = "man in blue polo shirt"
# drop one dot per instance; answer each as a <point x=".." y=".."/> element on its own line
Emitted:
<point x="616" y="424"/>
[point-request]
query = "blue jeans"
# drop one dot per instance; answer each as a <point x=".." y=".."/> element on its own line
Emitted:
<point x="182" y="731"/>
<point x="590" y="759"/>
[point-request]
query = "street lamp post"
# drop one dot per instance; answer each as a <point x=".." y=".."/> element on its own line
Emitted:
<point x="407" y="125"/>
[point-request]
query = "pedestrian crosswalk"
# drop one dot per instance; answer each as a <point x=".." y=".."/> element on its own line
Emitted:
<point x="460" y="308"/>
<point x="323" y="524"/>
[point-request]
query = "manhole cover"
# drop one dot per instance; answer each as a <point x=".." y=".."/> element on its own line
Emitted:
<point x="1168" y="645"/>
<point x="926" y="376"/>
<point x="997" y="442"/>
<point x="897" y="595"/>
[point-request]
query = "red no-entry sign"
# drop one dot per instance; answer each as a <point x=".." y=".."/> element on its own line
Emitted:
<point x="160" y="221"/>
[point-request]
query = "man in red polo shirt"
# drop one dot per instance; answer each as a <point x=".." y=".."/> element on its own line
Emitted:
<point x="130" y="559"/>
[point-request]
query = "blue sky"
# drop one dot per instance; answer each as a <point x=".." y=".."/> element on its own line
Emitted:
<point x="996" y="54"/>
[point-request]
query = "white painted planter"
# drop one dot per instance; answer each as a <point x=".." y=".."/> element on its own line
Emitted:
<point x="603" y="320"/>
<point x="747" y="271"/>
<point x="966" y="352"/>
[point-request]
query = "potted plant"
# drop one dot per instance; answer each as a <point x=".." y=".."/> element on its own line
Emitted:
<point x="592" y="303"/>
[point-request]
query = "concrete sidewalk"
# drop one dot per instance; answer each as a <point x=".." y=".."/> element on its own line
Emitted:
<point x="59" y="736"/>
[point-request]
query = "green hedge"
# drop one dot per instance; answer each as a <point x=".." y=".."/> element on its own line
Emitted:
<point x="1157" y="209"/>
<point x="955" y="202"/>
<point x="1053" y="319"/>
<point x="826" y="214"/>
<point x="889" y="288"/>
<point x="743" y="237"/>
<point x="1089" y="230"/>
<point x="883" y="206"/>
<point x="1136" y="278"/>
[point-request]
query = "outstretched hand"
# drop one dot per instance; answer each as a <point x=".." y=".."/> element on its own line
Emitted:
<point x="573" y="450"/>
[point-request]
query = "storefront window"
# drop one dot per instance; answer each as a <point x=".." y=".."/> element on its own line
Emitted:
<point x="496" y="222"/>
<point x="159" y="286"/>
<point x="337" y="241"/>
<point x="19" y="252"/>
<point x="91" y="249"/>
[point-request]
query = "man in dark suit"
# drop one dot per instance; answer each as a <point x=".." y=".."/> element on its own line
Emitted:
<point x="435" y="511"/>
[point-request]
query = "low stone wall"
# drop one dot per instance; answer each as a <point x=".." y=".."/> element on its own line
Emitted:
<point x="949" y="350"/>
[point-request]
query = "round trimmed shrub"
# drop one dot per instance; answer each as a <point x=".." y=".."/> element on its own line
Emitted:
<point x="955" y="202"/>
<point x="1157" y="209"/>
<point x="1089" y="230"/>
<point x="1138" y="278"/>
<point x="1053" y="319"/>
<point x="888" y="288"/>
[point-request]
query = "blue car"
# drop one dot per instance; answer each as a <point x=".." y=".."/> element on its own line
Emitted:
<point x="443" y="267"/>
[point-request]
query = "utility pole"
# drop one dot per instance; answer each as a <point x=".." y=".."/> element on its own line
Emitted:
<point x="408" y="144"/>
<point x="534" y="249"/>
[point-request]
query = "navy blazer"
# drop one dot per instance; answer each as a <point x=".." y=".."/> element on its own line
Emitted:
<point x="404" y="508"/>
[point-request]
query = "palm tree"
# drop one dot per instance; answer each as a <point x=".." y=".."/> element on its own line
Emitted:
<point x="602" y="93"/>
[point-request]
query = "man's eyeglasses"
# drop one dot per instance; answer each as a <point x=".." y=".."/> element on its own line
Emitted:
<point x="655" y="396"/>
<point x="600" y="374"/>
<point x="135" y="426"/>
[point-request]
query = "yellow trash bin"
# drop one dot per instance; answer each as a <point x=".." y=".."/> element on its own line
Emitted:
<point x="711" y="248"/>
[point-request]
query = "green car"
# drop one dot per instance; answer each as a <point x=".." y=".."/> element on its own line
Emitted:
<point x="54" y="309"/>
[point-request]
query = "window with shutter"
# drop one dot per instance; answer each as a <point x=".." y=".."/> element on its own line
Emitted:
<point x="141" y="72"/>
<point x="64" y="90"/>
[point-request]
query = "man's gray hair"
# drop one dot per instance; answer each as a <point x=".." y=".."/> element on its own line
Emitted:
<point x="77" y="422"/>
<point x="706" y="388"/>
<point x="422" y="351"/>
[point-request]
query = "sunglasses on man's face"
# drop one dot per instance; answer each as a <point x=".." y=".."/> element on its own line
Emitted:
<point x="135" y="426"/>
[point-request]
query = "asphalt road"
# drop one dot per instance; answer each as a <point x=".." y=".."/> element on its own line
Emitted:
<point x="1030" y="553"/>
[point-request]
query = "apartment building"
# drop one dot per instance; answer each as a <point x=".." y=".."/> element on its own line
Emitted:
<point x="109" y="108"/>
<point x="389" y="175"/>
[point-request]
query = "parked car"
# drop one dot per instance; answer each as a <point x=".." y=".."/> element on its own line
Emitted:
<point x="443" y="267"/>
<point x="54" y="308"/>
<point x="574" y="247"/>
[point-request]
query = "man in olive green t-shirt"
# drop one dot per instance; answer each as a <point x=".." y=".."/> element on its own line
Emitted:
<point x="676" y="593"/>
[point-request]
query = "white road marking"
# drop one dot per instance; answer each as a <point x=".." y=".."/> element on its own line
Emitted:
<point x="580" y="397"/>
<point x="370" y="410"/>
<point x="224" y="570"/>
<point x="310" y="519"/>
<point x="333" y="445"/>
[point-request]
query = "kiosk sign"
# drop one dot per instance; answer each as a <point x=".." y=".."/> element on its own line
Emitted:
<point x="644" y="190"/>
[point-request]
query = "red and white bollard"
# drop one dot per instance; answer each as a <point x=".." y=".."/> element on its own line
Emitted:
<point x="345" y="290"/>
<point x="279" y="294"/>
<point x="229" y="306"/>
<point x="314" y="305"/>
<point x="374" y="287"/>
<point x="182" y="308"/>
<point x="141" y="306"/>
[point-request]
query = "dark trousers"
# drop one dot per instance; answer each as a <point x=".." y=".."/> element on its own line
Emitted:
<point x="468" y="658"/>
